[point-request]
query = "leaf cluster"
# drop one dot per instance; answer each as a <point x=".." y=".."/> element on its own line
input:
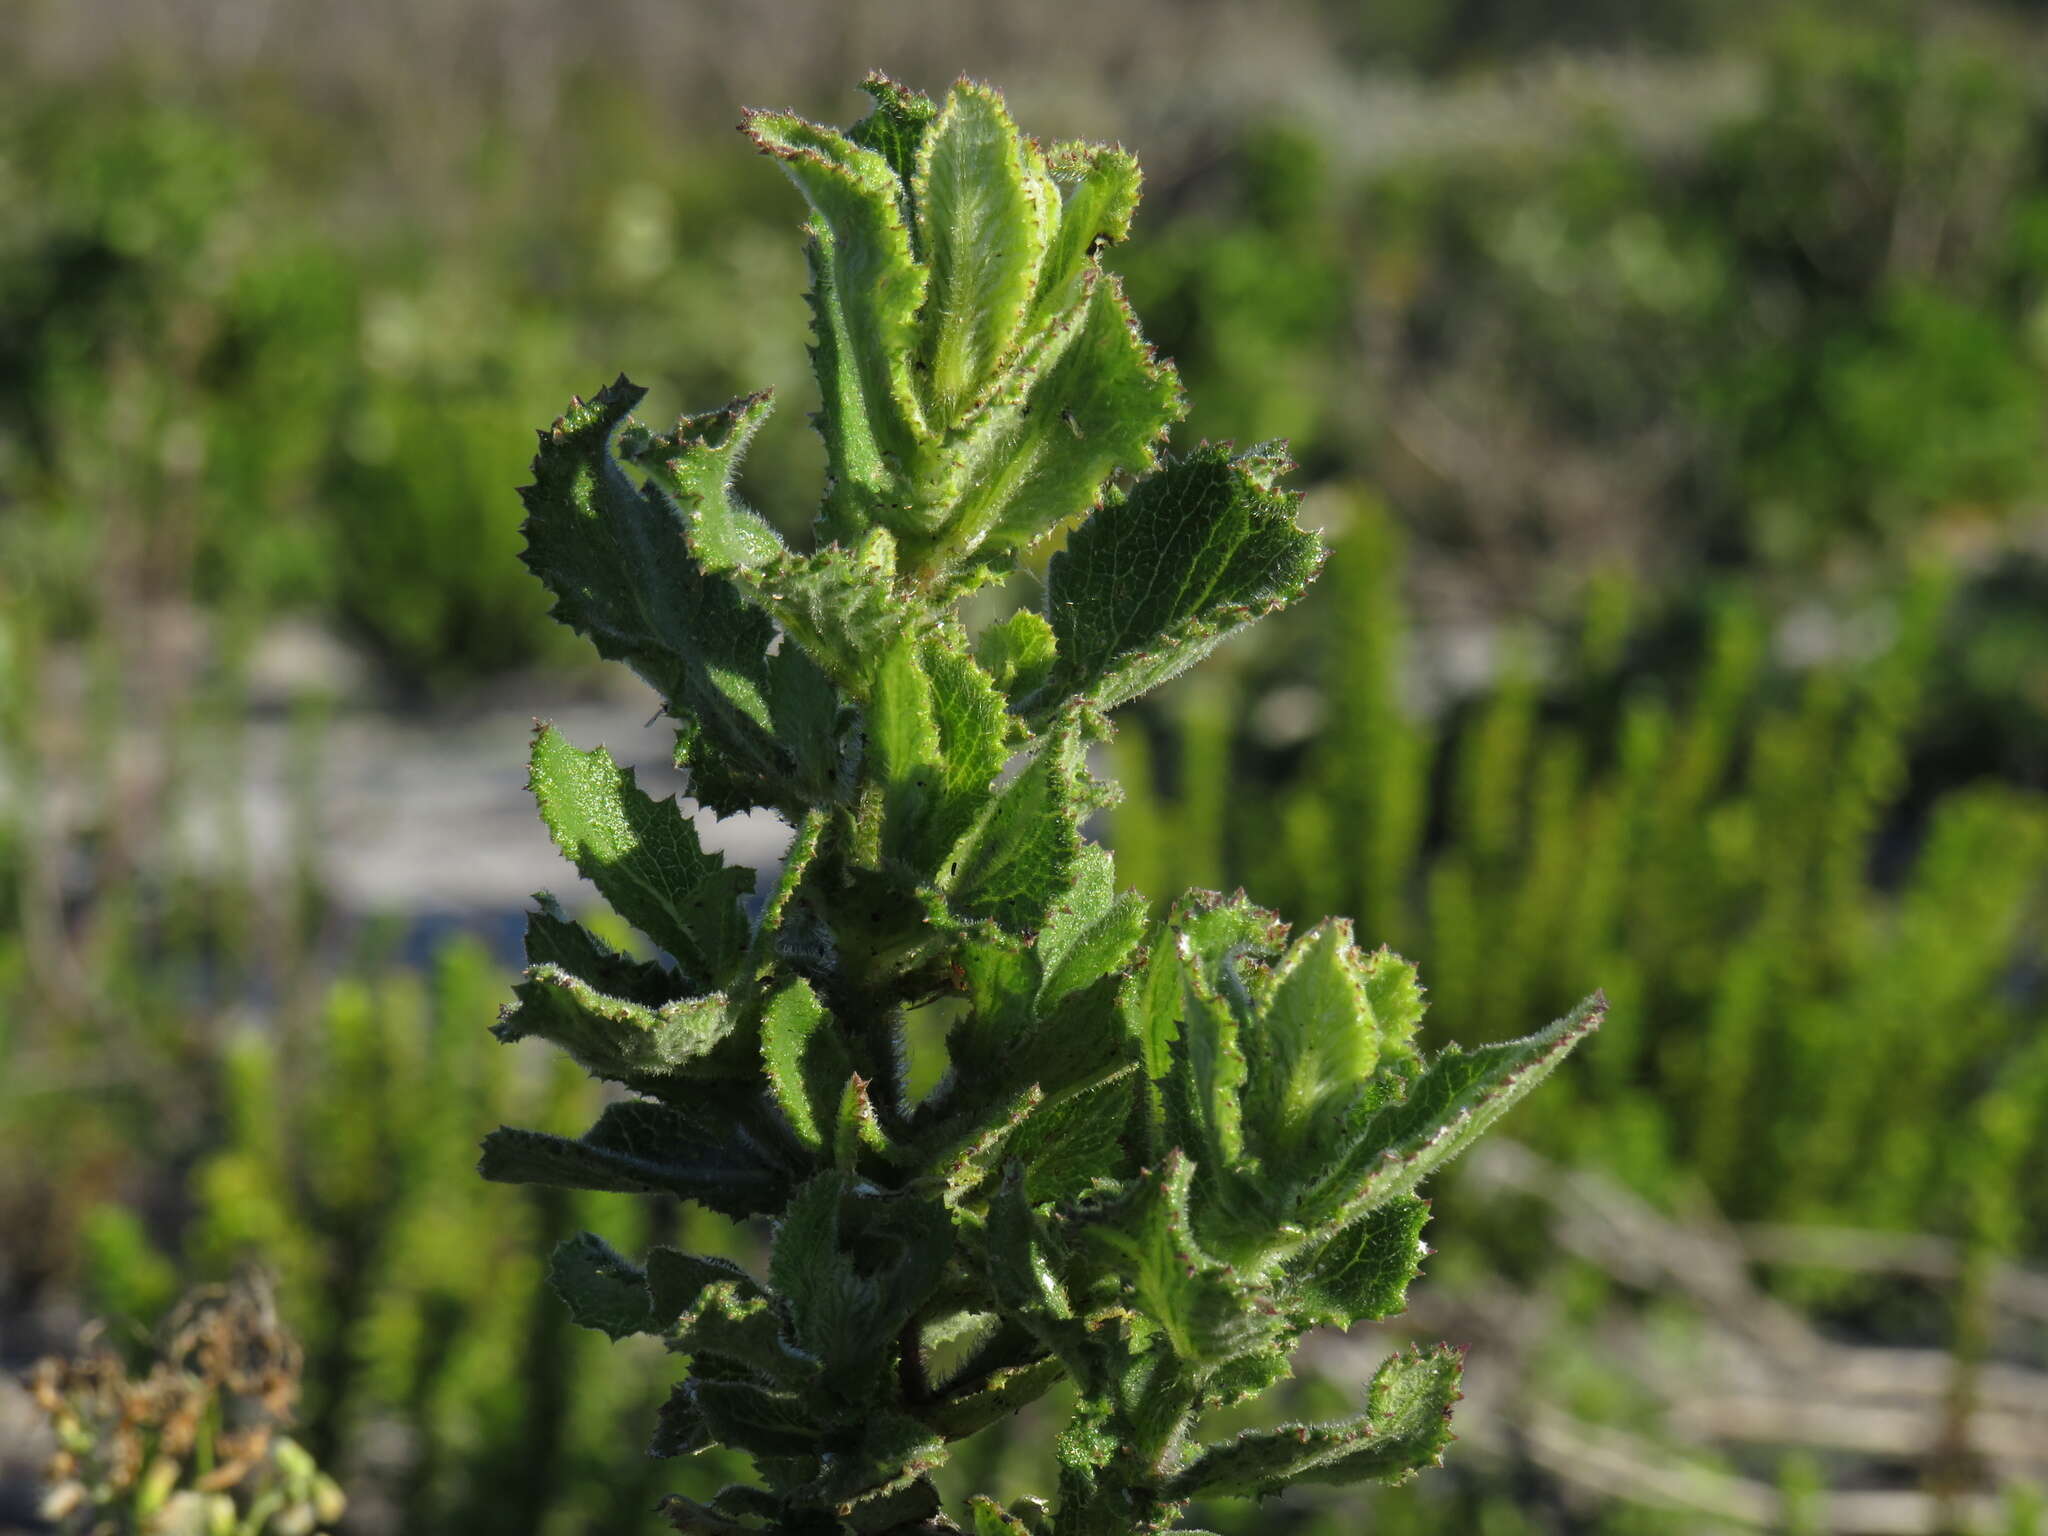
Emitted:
<point x="1162" y="1149"/>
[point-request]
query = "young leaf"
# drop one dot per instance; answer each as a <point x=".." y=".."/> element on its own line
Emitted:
<point x="1018" y="652"/>
<point x="866" y="291"/>
<point x="984" y="214"/>
<point x="1155" y="580"/>
<point x="935" y="731"/>
<point x="1205" y="1311"/>
<point x="1091" y="931"/>
<point x="1454" y="1100"/>
<point x="1405" y="1427"/>
<point x="1099" y="184"/>
<point x="806" y="1061"/>
<point x="896" y="127"/>
<point x="1314" y="1047"/>
<point x="643" y="855"/>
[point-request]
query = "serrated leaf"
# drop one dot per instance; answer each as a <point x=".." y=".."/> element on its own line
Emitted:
<point x="734" y="1325"/>
<point x="643" y="856"/>
<point x="643" y="1148"/>
<point x="602" y="1289"/>
<point x="897" y="125"/>
<point x="1003" y="1394"/>
<point x="679" y="1429"/>
<point x="1067" y="1146"/>
<point x="984" y="215"/>
<point x="622" y="575"/>
<point x="552" y="939"/>
<point x="1405" y="1426"/>
<point x="866" y="291"/>
<point x="1206" y="1312"/>
<point x="856" y="1127"/>
<point x="1091" y="930"/>
<point x="1448" y="1106"/>
<point x="1086" y="399"/>
<point x="1099" y="184"/>
<point x="1362" y="1273"/>
<point x="990" y="1518"/>
<point x="1018" y="652"/>
<point x="1017" y="860"/>
<point x="676" y="1279"/>
<point x="806" y="1061"/>
<point x="1395" y="994"/>
<point x="697" y="464"/>
<point x="622" y="1041"/>
<point x="935" y="734"/>
<point x="851" y="1268"/>
<point x="754" y="1418"/>
<point x="1155" y="580"/>
<point x="1314" y="1048"/>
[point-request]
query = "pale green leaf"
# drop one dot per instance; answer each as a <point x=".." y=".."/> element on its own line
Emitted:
<point x="806" y="1061"/>
<point x="1018" y="652"/>
<point x="1099" y="184"/>
<point x="984" y="215"/>
<point x="643" y="856"/>
<point x="1314" y="1048"/>
<point x="935" y="734"/>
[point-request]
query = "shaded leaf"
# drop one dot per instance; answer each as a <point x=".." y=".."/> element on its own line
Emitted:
<point x="642" y="1148"/>
<point x="603" y="1289"/>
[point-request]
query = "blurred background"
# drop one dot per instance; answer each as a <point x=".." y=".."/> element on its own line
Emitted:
<point x="1671" y="379"/>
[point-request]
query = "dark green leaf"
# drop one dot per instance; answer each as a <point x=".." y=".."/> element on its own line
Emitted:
<point x="642" y="1148"/>
<point x="621" y="1041"/>
<point x="603" y="1290"/>
<point x="1018" y="859"/>
<point x="1405" y="1426"/>
<point x="806" y="1061"/>
<point x="1154" y="580"/>
<point x="1361" y="1274"/>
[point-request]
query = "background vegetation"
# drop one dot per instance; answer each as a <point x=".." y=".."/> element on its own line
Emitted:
<point x="1672" y="379"/>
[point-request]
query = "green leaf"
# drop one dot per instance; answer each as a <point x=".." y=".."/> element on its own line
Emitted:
<point x="1099" y="184"/>
<point x="642" y="1148"/>
<point x="1085" y="399"/>
<point x="990" y="1519"/>
<point x="754" y="1418"/>
<point x="897" y="125"/>
<point x="1205" y="930"/>
<point x="1313" y="1050"/>
<point x="733" y="1324"/>
<point x="935" y="735"/>
<point x="679" y="1429"/>
<point x="622" y="1041"/>
<point x="851" y="1268"/>
<point x="866" y="291"/>
<point x="1155" y="580"/>
<point x="1405" y="1427"/>
<point x="1091" y="931"/>
<point x="697" y="464"/>
<point x="622" y="574"/>
<point x="1206" y="1312"/>
<point x="1017" y="860"/>
<point x="806" y="1061"/>
<point x="1448" y="1107"/>
<point x="1362" y="1273"/>
<point x="552" y="939"/>
<point x="643" y="856"/>
<point x="1004" y="1392"/>
<point x="676" y="1279"/>
<point x="1068" y="1145"/>
<point x="984" y="214"/>
<point x="603" y="1290"/>
<point x="1018" y="652"/>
